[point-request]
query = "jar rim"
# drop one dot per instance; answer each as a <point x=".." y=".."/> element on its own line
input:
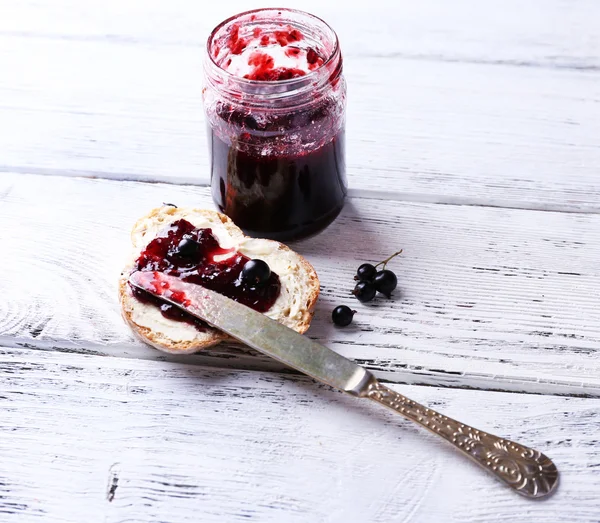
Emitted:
<point x="252" y="84"/>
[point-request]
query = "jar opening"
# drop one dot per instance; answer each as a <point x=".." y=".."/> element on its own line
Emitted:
<point x="272" y="53"/>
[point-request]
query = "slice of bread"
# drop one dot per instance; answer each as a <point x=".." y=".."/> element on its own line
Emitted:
<point x="294" y="307"/>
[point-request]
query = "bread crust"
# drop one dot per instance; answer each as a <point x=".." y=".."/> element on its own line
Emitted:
<point x="142" y="234"/>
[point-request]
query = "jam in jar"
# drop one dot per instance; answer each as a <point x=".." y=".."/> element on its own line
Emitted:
<point x="275" y="100"/>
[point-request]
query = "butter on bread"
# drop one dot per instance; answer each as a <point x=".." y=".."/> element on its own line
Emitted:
<point x="294" y="307"/>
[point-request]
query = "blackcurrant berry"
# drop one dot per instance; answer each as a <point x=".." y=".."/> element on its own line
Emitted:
<point x="366" y="272"/>
<point x="385" y="282"/>
<point x="256" y="272"/>
<point x="187" y="248"/>
<point x="364" y="291"/>
<point x="342" y="315"/>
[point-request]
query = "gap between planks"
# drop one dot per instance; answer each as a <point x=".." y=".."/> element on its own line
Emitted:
<point x="240" y="358"/>
<point x="540" y="63"/>
<point x="365" y="193"/>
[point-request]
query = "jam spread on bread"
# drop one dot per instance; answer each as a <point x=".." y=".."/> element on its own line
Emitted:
<point x="195" y="256"/>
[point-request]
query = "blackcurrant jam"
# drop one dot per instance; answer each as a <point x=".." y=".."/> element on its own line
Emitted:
<point x="195" y="256"/>
<point x="275" y="101"/>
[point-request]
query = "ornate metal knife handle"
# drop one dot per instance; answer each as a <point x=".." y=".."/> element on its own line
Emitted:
<point x="525" y="470"/>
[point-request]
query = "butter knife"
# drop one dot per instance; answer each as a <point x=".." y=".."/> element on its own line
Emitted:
<point x="525" y="470"/>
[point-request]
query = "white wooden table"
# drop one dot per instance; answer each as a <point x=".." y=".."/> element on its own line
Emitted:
<point x="474" y="145"/>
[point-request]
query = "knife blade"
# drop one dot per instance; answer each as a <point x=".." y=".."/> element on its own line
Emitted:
<point x="525" y="470"/>
<point x="257" y="331"/>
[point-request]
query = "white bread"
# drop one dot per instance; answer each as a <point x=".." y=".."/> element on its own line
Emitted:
<point x="294" y="307"/>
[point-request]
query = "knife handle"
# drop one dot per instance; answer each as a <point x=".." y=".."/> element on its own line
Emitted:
<point x="525" y="470"/>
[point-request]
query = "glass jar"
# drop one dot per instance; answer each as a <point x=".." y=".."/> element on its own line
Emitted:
<point x="275" y="101"/>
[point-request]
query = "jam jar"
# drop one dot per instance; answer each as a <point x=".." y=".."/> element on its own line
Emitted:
<point x="275" y="103"/>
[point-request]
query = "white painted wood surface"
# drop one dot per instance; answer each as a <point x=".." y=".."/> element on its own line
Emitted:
<point x="489" y="108"/>
<point x="461" y="103"/>
<point x="149" y="442"/>
<point x="488" y="297"/>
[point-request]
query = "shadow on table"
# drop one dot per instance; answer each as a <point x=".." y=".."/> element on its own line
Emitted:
<point x="338" y="241"/>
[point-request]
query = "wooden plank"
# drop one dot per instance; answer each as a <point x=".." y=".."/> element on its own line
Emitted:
<point x="539" y="33"/>
<point x="488" y="298"/>
<point x="125" y="440"/>
<point x="487" y="109"/>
